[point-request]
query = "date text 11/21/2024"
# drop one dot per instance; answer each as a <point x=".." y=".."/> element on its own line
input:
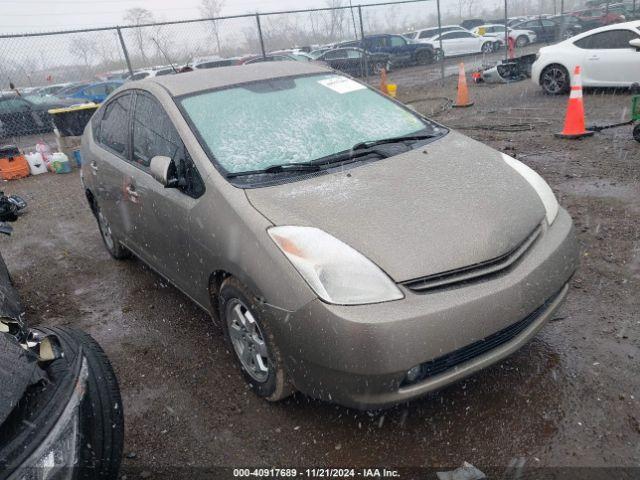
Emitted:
<point x="315" y="473"/>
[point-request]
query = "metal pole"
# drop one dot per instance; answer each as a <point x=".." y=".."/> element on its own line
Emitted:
<point x="365" y="73"/>
<point x="124" y="51"/>
<point x="353" y="17"/>
<point x="563" y="21"/>
<point x="506" y="30"/>
<point x="440" y="37"/>
<point x="264" y="54"/>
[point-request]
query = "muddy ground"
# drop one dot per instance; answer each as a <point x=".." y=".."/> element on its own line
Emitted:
<point x="569" y="398"/>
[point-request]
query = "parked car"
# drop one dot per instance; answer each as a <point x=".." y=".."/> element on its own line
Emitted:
<point x="22" y="116"/>
<point x="472" y="23"/>
<point x="598" y="17"/>
<point x="547" y="30"/>
<point x="355" y="61"/>
<point x="96" y="92"/>
<point x="151" y="72"/>
<point x="457" y="42"/>
<point x="70" y="90"/>
<point x="402" y="51"/>
<point x="290" y="215"/>
<point x="522" y="38"/>
<point x="570" y="25"/>
<point x="222" y="62"/>
<point x="61" y="413"/>
<point x="53" y="89"/>
<point x="609" y="56"/>
<point x="424" y="34"/>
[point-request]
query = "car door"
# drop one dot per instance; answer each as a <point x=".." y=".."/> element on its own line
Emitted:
<point x="107" y="158"/>
<point x="609" y="60"/>
<point x="337" y="59"/>
<point x="450" y="44"/>
<point x="398" y="47"/>
<point x="162" y="214"/>
<point x="469" y="43"/>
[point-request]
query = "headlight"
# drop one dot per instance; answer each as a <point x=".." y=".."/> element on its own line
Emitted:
<point x="335" y="271"/>
<point x="540" y="186"/>
<point x="57" y="455"/>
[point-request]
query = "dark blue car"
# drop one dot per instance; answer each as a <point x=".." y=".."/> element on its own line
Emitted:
<point x="401" y="50"/>
<point x="96" y="92"/>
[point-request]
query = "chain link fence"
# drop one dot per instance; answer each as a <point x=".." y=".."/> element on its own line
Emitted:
<point x="39" y="71"/>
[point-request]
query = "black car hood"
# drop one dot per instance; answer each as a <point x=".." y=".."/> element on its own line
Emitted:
<point x="18" y="369"/>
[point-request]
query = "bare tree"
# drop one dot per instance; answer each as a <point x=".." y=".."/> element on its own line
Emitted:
<point x="213" y="9"/>
<point x="136" y="17"/>
<point x="335" y="20"/>
<point x="84" y="48"/>
<point x="466" y="8"/>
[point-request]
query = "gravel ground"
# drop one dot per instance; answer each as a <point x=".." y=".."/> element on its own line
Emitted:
<point x="569" y="398"/>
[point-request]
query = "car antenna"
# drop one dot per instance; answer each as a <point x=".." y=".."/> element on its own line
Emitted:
<point x="164" y="54"/>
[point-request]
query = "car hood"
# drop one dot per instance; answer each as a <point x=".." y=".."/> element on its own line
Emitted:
<point x="452" y="204"/>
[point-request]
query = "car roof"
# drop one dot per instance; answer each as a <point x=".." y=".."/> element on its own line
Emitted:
<point x="200" y="80"/>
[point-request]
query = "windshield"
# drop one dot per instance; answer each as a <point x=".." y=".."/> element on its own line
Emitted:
<point x="294" y="120"/>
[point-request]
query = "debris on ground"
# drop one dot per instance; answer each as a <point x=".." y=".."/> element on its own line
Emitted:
<point x="465" y="472"/>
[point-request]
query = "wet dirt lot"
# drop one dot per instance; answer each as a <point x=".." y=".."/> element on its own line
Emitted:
<point x="569" y="398"/>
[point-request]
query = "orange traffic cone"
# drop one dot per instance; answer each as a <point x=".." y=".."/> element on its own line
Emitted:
<point x="463" y="90"/>
<point x="574" y="125"/>
<point x="383" y="81"/>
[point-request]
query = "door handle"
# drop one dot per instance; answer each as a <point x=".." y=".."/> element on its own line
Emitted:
<point x="131" y="190"/>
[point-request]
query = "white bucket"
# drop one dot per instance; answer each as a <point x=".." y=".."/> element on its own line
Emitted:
<point x="36" y="163"/>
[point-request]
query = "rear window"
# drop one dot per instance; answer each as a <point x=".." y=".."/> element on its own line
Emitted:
<point x="293" y="120"/>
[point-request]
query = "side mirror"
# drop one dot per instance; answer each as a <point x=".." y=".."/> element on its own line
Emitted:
<point x="163" y="171"/>
<point x="635" y="43"/>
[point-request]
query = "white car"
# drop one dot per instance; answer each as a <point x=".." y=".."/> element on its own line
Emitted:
<point x="423" y="35"/>
<point x="609" y="57"/>
<point x="522" y="38"/>
<point x="458" y="42"/>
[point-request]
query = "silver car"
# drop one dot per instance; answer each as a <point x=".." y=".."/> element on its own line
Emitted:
<point x="352" y="249"/>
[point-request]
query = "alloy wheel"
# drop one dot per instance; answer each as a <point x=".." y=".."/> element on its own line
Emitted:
<point x="105" y="229"/>
<point x="555" y="80"/>
<point x="247" y="340"/>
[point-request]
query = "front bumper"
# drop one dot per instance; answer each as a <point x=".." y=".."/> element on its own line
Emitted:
<point x="358" y="356"/>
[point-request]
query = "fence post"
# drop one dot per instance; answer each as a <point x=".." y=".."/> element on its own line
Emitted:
<point x="264" y="54"/>
<point x="506" y="30"/>
<point x="124" y="51"/>
<point x="441" y="48"/>
<point x="365" y="73"/>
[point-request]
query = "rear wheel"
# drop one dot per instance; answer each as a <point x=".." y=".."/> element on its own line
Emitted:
<point x="111" y="242"/>
<point x="487" y="47"/>
<point x="252" y="342"/>
<point x="555" y="80"/>
<point x="377" y="68"/>
<point x="522" y="41"/>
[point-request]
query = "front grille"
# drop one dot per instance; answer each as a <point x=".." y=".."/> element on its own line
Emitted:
<point x="476" y="349"/>
<point x="474" y="272"/>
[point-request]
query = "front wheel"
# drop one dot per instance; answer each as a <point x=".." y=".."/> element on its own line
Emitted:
<point x="252" y="342"/>
<point x="522" y="41"/>
<point x="555" y="80"/>
<point x="424" y="58"/>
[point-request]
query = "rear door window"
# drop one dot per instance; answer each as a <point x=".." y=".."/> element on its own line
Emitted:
<point x="611" y="40"/>
<point x="113" y="131"/>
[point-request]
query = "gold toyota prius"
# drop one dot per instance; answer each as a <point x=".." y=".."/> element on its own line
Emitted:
<point x="352" y="249"/>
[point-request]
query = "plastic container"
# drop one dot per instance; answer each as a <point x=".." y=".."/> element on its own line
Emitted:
<point x="392" y="90"/>
<point x="45" y="150"/>
<point x="36" y="163"/>
<point x="60" y="163"/>
<point x="71" y="121"/>
<point x="77" y="157"/>
<point x="13" y="165"/>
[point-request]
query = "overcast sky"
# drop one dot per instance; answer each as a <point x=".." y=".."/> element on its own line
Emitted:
<point x="17" y="16"/>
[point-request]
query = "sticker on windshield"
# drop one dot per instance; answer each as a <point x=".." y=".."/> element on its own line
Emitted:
<point x="342" y="85"/>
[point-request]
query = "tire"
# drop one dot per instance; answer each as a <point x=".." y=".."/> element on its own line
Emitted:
<point x="263" y="367"/>
<point x="102" y="417"/>
<point x="522" y="41"/>
<point x="486" y="48"/>
<point x="555" y="80"/>
<point x="636" y="133"/>
<point x="424" y="58"/>
<point x="377" y="68"/>
<point x="111" y="241"/>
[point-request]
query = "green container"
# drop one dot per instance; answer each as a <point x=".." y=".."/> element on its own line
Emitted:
<point x="635" y="108"/>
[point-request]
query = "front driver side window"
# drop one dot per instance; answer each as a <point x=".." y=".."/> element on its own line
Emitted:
<point x="154" y="135"/>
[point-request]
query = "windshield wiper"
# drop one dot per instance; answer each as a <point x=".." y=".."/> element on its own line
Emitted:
<point x="287" y="167"/>
<point x="385" y="141"/>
